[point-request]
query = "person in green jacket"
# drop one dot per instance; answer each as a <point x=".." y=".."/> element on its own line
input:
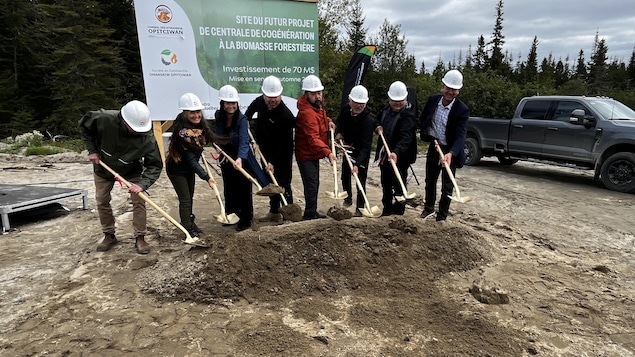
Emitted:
<point x="122" y="139"/>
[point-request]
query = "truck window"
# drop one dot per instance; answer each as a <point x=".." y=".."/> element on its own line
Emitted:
<point x="535" y="109"/>
<point x="564" y="109"/>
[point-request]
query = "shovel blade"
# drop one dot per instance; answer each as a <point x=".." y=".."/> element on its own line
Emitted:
<point x="374" y="212"/>
<point x="463" y="199"/>
<point x="338" y="195"/>
<point x="231" y="218"/>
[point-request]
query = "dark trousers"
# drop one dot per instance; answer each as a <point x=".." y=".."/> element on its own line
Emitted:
<point x="391" y="186"/>
<point x="310" y="174"/>
<point x="347" y="186"/>
<point x="184" y="187"/>
<point x="237" y="190"/>
<point x="282" y="171"/>
<point x="433" y="169"/>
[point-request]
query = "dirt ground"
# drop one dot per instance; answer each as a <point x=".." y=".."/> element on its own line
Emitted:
<point x="539" y="263"/>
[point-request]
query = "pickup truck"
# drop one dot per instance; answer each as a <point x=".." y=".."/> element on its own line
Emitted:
<point x="594" y="133"/>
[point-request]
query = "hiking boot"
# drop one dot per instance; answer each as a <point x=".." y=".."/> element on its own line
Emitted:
<point x="108" y="242"/>
<point x="348" y="201"/>
<point x="271" y="217"/>
<point x="142" y="246"/>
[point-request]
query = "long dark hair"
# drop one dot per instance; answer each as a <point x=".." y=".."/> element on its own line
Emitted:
<point x="183" y="137"/>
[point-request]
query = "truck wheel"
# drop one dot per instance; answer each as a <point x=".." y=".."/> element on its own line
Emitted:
<point x="504" y="160"/>
<point x="618" y="172"/>
<point x="473" y="153"/>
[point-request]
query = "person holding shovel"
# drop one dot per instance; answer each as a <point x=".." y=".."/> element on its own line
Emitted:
<point x="398" y="126"/>
<point x="230" y="122"/>
<point x="444" y="118"/>
<point x="273" y="131"/>
<point x="122" y="139"/>
<point x="312" y="142"/>
<point x="190" y="133"/>
<point x="355" y="127"/>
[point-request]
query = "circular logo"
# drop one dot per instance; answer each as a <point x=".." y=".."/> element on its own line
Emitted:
<point x="163" y="13"/>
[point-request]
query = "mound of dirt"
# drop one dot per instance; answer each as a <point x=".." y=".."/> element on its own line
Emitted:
<point x="323" y="257"/>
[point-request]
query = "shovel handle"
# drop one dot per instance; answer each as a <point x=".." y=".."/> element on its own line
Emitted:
<point x="447" y="168"/>
<point x="394" y="166"/>
<point x="188" y="237"/>
<point x="215" y="188"/>
<point x="334" y="164"/>
<point x="262" y="157"/>
<point x="242" y="171"/>
<point x="357" y="181"/>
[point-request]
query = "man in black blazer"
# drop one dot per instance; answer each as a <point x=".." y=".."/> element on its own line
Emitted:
<point x="444" y="118"/>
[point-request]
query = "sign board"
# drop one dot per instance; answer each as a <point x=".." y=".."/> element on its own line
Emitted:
<point x="199" y="46"/>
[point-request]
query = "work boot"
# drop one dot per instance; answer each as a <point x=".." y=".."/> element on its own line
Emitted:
<point x="108" y="242"/>
<point x="142" y="246"/>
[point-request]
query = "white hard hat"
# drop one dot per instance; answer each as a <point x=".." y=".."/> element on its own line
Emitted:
<point x="453" y="79"/>
<point x="189" y="101"/>
<point x="137" y="116"/>
<point x="312" y="84"/>
<point x="397" y="91"/>
<point x="358" y="94"/>
<point x="228" y="93"/>
<point x="271" y="86"/>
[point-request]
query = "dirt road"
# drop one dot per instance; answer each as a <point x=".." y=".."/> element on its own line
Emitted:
<point x="547" y="247"/>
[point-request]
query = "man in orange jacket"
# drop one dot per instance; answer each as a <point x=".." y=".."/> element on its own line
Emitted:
<point x="312" y="142"/>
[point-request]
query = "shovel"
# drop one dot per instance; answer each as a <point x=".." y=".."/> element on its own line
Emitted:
<point x="457" y="197"/>
<point x="367" y="211"/>
<point x="405" y="196"/>
<point x="260" y="191"/>
<point x="231" y="218"/>
<point x="291" y="212"/>
<point x="188" y="238"/>
<point x="335" y="194"/>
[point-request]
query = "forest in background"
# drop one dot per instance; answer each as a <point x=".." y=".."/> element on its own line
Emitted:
<point x="62" y="58"/>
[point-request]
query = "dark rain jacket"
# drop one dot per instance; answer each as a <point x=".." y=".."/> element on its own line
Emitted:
<point x="104" y="132"/>
<point x="357" y="132"/>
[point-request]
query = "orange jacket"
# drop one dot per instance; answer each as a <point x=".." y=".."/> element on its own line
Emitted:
<point x="312" y="132"/>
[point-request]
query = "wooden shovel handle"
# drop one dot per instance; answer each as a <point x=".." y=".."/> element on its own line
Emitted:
<point x="357" y="181"/>
<point x="242" y="171"/>
<point x="447" y="168"/>
<point x="394" y="166"/>
<point x="262" y="157"/>
<point x="143" y="196"/>
<point x="215" y="188"/>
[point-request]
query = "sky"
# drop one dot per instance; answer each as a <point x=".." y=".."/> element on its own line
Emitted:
<point x="445" y="29"/>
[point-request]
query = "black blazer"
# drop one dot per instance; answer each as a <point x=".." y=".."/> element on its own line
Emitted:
<point x="455" y="130"/>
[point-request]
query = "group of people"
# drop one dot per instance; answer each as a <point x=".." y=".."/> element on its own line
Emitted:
<point x="123" y="141"/>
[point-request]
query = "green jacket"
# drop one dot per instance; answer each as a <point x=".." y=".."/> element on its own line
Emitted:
<point x="104" y="132"/>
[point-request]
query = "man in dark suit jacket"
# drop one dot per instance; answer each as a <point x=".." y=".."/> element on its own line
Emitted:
<point x="444" y="118"/>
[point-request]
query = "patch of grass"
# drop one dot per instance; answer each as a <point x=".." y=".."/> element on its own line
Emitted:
<point x="42" y="150"/>
<point x="76" y="145"/>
